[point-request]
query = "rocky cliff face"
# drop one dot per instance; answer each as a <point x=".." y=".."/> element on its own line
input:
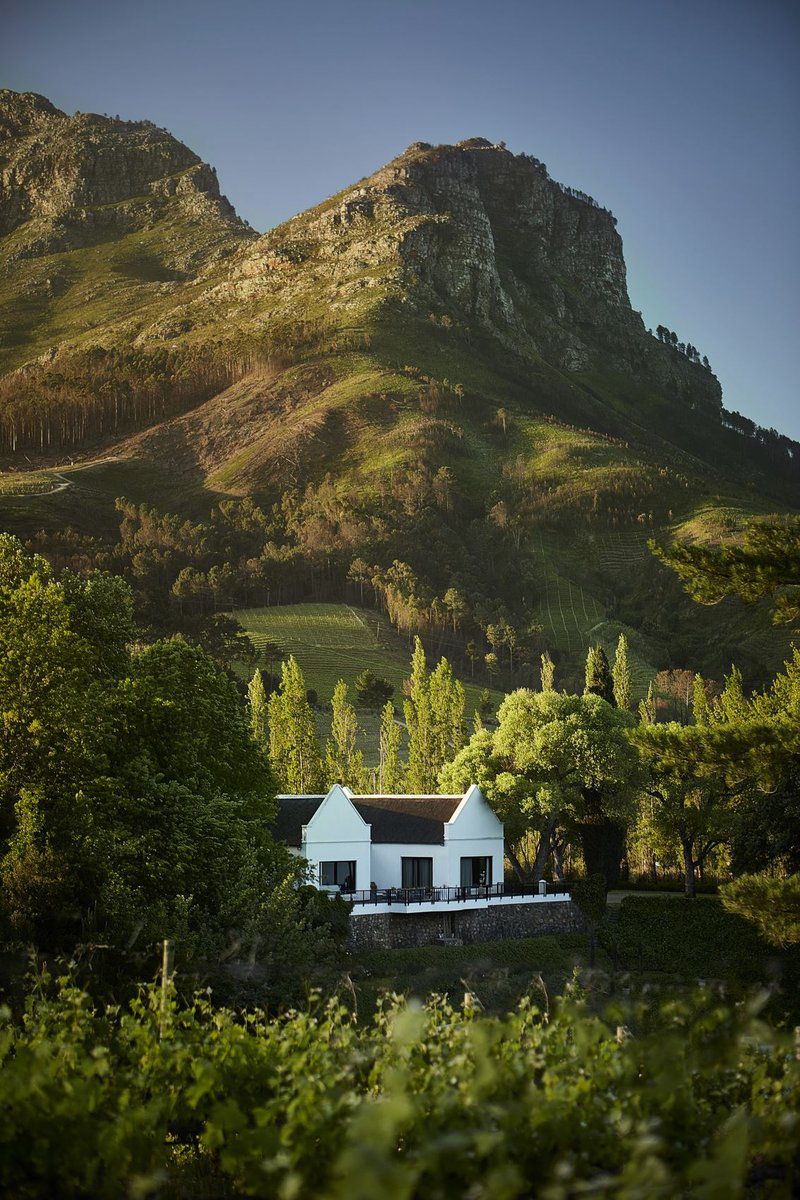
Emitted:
<point x="114" y="233"/>
<point x="476" y="235"/>
<point x="65" y="178"/>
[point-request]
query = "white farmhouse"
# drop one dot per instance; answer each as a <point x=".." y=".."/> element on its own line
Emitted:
<point x="379" y="845"/>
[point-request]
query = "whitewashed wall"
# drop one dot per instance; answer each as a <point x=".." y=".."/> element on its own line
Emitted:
<point x="474" y="831"/>
<point x="387" y="863"/>
<point x="337" y="832"/>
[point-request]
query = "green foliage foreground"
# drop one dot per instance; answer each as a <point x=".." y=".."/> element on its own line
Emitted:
<point x="692" y="1099"/>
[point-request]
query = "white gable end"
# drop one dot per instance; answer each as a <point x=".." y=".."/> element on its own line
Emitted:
<point x="474" y="818"/>
<point x="337" y="834"/>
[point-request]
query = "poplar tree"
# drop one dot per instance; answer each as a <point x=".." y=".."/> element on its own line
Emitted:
<point x="390" y="768"/>
<point x="623" y="692"/>
<point x="418" y="720"/>
<point x="257" y="703"/>
<point x="293" y="746"/>
<point x="548" y="673"/>
<point x="598" y="675"/>
<point x="434" y="713"/>
<point x="344" y="763"/>
<point x="447" y="711"/>
<point x="701" y="710"/>
<point x="648" y="709"/>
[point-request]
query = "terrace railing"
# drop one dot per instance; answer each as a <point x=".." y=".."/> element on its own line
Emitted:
<point x="409" y="897"/>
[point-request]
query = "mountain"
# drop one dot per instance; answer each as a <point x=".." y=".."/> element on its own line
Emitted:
<point x="439" y="365"/>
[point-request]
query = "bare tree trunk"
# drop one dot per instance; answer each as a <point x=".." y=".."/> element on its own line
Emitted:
<point x="518" y="869"/>
<point x="545" y="846"/>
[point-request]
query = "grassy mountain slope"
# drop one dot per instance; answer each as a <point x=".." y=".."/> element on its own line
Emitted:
<point x="441" y="365"/>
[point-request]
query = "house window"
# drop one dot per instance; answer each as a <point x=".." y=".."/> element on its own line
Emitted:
<point x="338" y="874"/>
<point x="476" y="872"/>
<point x="417" y="872"/>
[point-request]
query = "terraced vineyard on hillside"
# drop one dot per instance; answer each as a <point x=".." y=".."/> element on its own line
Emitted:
<point x="338" y="641"/>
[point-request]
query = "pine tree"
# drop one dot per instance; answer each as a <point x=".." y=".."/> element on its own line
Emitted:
<point x="598" y="675"/>
<point x="293" y="747"/>
<point x="390" y="769"/>
<point x="257" y="701"/>
<point x="623" y="692"/>
<point x="548" y="673"/>
<point x="344" y="763"/>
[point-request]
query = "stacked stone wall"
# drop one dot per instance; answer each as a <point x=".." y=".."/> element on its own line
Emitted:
<point x="394" y="931"/>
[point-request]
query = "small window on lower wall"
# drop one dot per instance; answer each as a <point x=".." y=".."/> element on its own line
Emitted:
<point x="338" y="874"/>
<point x="476" y="872"/>
<point x="417" y="872"/>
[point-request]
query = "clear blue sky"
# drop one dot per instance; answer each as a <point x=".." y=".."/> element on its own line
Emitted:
<point x="682" y="117"/>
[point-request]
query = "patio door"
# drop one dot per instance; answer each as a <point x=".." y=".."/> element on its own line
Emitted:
<point x="417" y="872"/>
<point x="476" y="872"/>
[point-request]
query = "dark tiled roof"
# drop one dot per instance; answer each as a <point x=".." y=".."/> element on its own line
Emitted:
<point x="403" y="819"/>
<point x="407" y="818"/>
<point x="293" y="813"/>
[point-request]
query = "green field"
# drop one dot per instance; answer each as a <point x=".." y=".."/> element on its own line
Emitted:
<point x="337" y="641"/>
<point x="573" y="619"/>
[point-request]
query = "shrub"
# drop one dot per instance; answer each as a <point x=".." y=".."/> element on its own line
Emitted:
<point x="152" y="1097"/>
<point x="695" y="938"/>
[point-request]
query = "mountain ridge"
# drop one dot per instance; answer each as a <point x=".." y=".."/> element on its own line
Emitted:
<point x="439" y="365"/>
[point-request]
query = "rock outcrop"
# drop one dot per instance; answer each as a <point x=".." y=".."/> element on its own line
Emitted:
<point x="65" y="178"/>
<point x="474" y="234"/>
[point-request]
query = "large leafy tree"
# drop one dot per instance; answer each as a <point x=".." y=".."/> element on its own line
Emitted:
<point x="135" y="802"/>
<point x="555" y="762"/>
<point x="709" y="778"/>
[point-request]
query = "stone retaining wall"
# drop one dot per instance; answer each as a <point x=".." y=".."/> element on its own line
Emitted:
<point x="393" y="931"/>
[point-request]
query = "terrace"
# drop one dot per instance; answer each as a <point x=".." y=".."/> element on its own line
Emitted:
<point x="446" y="899"/>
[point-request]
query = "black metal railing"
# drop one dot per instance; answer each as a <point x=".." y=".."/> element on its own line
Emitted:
<point x="408" y="897"/>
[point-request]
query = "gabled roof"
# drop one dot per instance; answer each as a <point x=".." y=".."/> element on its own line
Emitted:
<point x="407" y="819"/>
<point x="293" y="813"/>
<point x="400" y="819"/>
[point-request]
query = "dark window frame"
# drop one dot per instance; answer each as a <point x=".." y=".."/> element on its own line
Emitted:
<point x="487" y="860"/>
<point x="343" y="869"/>
<point x="414" y="877"/>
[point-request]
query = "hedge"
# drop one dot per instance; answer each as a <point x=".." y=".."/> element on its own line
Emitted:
<point x="694" y="938"/>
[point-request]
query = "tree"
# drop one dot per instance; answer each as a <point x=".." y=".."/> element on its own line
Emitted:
<point x="360" y="573"/>
<point x="623" y="692"/>
<point x="371" y="690"/>
<point x="434" y="713"/>
<point x="344" y="763"/>
<point x="766" y="563"/>
<point x="648" y="708"/>
<point x="772" y="905"/>
<point x="293" y="746"/>
<point x="548" y="673"/>
<point x="456" y="605"/>
<point x="390" y="768"/>
<point x="599" y="681"/>
<point x="257" y="701"/>
<point x="554" y="762"/>
<point x="589" y="895"/>
<point x="473" y="654"/>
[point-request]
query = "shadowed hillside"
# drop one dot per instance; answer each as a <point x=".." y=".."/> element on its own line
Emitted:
<point x="436" y="373"/>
